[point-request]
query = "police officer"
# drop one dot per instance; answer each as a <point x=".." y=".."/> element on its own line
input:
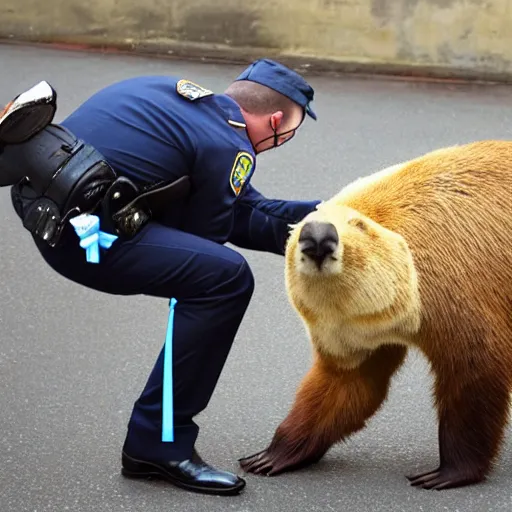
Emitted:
<point x="157" y="128"/>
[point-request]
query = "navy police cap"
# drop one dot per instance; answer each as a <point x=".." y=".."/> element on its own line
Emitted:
<point x="281" y="79"/>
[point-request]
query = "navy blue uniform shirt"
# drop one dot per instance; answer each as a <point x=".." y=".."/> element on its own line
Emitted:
<point x="150" y="132"/>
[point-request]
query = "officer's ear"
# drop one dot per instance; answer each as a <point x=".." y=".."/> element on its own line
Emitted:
<point x="276" y="120"/>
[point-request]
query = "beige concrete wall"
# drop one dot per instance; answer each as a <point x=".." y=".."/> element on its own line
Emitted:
<point x="452" y="36"/>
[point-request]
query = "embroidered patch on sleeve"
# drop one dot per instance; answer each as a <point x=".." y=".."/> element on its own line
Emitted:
<point x="241" y="171"/>
<point x="191" y="91"/>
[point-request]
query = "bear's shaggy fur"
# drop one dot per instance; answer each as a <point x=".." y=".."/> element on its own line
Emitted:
<point x="416" y="255"/>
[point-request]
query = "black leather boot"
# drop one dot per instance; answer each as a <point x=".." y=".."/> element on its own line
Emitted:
<point x="192" y="474"/>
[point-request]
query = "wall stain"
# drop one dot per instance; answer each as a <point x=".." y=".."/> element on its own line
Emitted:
<point x="383" y="9"/>
<point x="225" y="26"/>
<point x="142" y="22"/>
<point x="485" y="60"/>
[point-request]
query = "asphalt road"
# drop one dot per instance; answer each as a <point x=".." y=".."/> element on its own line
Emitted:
<point x="72" y="361"/>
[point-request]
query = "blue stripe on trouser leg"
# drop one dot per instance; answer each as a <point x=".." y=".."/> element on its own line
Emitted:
<point x="167" y="392"/>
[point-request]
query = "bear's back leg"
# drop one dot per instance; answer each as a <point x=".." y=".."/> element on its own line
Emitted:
<point x="472" y="400"/>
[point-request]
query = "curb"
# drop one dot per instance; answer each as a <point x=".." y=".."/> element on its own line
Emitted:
<point x="224" y="54"/>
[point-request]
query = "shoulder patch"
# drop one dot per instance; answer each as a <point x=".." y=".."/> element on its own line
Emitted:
<point x="191" y="91"/>
<point x="241" y="171"/>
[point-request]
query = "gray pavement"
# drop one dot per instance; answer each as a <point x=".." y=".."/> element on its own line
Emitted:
<point x="72" y="361"/>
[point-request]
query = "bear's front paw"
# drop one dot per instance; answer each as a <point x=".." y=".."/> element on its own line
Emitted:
<point x="261" y="463"/>
<point x="277" y="459"/>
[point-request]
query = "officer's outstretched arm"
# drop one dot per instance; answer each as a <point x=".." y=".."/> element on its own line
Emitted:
<point x="262" y="224"/>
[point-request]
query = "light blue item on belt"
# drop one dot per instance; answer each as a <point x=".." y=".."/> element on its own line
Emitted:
<point x="87" y="227"/>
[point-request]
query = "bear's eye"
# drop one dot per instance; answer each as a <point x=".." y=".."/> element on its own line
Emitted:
<point x="358" y="223"/>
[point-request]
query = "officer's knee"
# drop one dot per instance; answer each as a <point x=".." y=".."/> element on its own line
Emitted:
<point x="246" y="278"/>
<point x="237" y="279"/>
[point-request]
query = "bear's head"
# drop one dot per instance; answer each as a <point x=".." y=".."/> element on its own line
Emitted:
<point x="341" y="262"/>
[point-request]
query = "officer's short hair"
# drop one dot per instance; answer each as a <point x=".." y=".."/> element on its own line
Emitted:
<point x="259" y="99"/>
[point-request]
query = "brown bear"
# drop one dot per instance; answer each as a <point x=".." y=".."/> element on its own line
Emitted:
<point x="416" y="255"/>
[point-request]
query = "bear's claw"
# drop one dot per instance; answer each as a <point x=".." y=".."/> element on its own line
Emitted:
<point x="275" y="460"/>
<point x="261" y="463"/>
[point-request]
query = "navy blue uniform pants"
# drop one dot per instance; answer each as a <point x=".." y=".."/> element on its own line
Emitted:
<point x="212" y="285"/>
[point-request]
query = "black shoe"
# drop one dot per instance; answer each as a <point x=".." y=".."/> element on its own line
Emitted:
<point x="192" y="474"/>
<point x="27" y="114"/>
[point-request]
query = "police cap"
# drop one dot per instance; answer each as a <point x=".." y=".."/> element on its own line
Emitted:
<point x="281" y="79"/>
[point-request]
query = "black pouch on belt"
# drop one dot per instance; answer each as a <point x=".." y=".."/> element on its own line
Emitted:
<point x="67" y="177"/>
<point x="124" y="212"/>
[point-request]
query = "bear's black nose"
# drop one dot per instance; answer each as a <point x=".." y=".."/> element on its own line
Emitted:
<point x="318" y="240"/>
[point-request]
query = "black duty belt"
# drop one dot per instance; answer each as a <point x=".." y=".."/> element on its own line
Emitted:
<point x="57" y="176"/>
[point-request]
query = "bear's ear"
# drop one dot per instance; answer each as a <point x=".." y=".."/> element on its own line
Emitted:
<point x="359" y="224"/>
